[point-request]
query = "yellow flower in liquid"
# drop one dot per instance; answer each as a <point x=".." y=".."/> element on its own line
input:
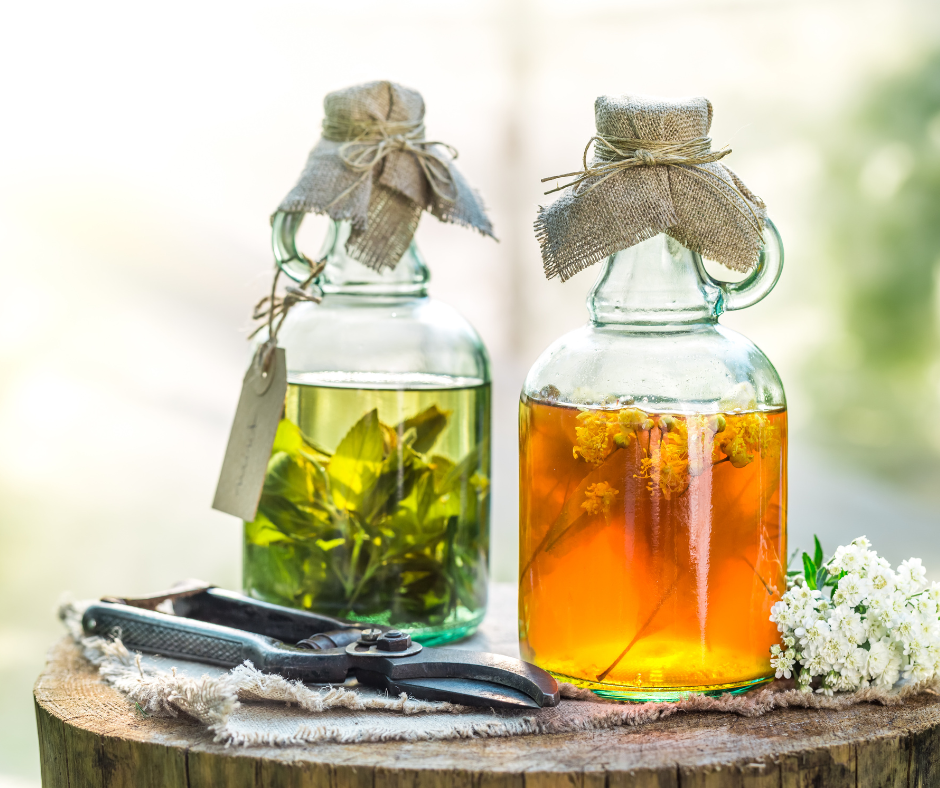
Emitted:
<point x="598" y="498"/>
<point x="735" y="437"/>
<point x="593" y="437"/>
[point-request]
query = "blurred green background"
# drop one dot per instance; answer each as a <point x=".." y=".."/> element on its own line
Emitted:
<point x="144" y="147"/>
<point x="875" y="381"/>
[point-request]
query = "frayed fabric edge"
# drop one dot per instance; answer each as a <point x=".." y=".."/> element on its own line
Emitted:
<point x="553" y="266"/>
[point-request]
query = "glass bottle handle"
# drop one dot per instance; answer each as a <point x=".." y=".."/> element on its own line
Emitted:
<point x="747" y="292"/>
<point x="288" y="258"/>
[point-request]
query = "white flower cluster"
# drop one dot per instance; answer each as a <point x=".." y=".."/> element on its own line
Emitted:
<point x="870" y="625"/>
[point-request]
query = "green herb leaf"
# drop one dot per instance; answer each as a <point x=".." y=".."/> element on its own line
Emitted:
<point x="818" y="558"/>
<point x="286" y="478"/>
<point x="292" y="500"/>
<point x="442" y="466"/>
<point x="428" y="425"/>
<point x="357" y="462"/>
<point x="291" y="440"/>
<point x="263" y="532"/>
<point x="399" y="472"/>
<point x="458" y="474"/>
<point x="278" y="568"/>
<point x="288" y="438"/>
<point x="425" y="496"/>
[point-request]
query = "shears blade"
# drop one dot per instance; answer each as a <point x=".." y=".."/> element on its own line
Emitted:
<point x="467" y="692"/>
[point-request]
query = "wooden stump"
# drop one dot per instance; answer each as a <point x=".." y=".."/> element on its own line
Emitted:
<point x="90" y="735"/>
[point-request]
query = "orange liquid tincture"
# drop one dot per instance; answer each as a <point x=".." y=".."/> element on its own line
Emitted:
<point x="650" y="558"/>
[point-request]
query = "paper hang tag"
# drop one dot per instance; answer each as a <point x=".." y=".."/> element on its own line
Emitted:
<point x="249" y="445"/>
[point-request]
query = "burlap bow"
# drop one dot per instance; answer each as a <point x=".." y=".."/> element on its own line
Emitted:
<point x="653" y="171"/>
<point x="374" y="168"/>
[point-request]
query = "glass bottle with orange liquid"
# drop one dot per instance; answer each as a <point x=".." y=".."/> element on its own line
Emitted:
<point x="653" y="485"/>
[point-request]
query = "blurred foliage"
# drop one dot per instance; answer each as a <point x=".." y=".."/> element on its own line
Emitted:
<point x="876" y="380"/>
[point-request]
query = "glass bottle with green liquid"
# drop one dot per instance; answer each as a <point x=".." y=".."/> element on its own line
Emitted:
<point x="375" y="505"/>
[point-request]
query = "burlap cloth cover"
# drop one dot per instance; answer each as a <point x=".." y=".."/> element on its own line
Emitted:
<point x="704" y="206"/>
<point x="382" y="121"/>
<point x="246" y="708"/>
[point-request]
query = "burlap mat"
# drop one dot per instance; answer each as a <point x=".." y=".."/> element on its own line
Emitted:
<point x="246" y="708"/>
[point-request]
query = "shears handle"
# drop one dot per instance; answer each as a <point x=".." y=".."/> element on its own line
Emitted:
<point x="218" y="606"/>
<point x="172" y="636"/>
<point x="205" y="602"/>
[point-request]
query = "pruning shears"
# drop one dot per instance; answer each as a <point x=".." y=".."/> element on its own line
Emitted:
<point x="200" y="622"/>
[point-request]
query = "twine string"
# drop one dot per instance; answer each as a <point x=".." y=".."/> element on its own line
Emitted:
<point x="617" y="154"/>
<point x="273" y="309"/>
<point x="366" y="144"/>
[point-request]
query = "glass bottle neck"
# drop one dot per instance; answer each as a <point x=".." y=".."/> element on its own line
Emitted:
<point x="344" y="275"/>
<point x="657" y="282"/>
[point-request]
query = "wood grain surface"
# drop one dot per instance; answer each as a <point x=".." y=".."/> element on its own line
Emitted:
<point x="90" y="735"/>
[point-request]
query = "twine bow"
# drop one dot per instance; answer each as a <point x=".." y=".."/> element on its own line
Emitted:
<point x="616" y="154"/>
<point x="366" y="144"/>
<point x="271" y="308"/>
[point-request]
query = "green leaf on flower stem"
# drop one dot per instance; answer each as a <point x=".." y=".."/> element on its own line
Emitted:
<point x="357" y="462"/>
<point x="428" y="425"/>
<point x="809" y="571"/>
<point x="818" y="558"/>
<point x="822" y="577"/>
